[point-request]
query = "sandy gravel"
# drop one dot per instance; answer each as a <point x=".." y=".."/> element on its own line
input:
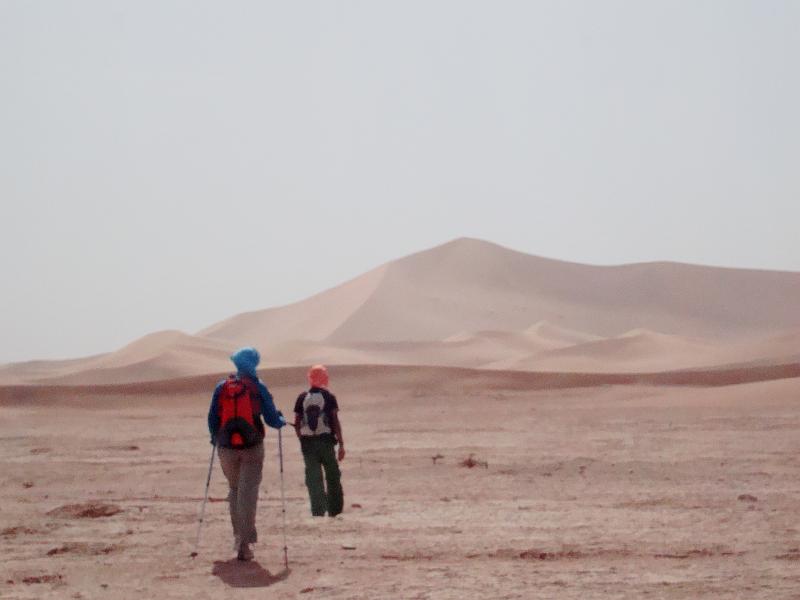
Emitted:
<point x="599" y="492"/>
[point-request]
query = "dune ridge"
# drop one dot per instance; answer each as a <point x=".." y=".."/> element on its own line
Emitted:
<point x="472" y="285"/>
<point x="471" y="303"/>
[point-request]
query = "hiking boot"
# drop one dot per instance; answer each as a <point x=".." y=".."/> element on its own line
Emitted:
<point x="244" y="552"/>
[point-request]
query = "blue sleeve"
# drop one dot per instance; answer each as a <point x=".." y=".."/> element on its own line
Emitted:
<point x="271" y="415"/>
<point x="213" y="415"/>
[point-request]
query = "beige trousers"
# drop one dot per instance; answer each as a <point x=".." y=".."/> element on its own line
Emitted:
<point x="242" y="469"/>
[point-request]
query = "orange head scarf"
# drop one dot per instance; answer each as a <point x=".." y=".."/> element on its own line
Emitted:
<point x="318" y="376"/>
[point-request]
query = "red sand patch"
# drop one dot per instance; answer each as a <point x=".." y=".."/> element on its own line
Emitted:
<point x="11" y="531"/>
<point x="43" y="579"/>
<point x="88" y="510"/>
<point x="471" y="462"/>
<point x="539" y="555"/>
<point x="792" y="554"/>
<point x="82" y="548"/>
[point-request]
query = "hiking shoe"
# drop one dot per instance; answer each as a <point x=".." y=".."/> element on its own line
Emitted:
<point x="244" y="552"/>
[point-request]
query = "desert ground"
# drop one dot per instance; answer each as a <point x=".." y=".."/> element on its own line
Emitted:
<point x="581" y="487"/>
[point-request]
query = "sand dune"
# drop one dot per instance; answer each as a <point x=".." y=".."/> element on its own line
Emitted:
<point x="780" y="348"/>
<point x="635" y="350"/>
<point x="535" y="338"/>
<point x="163" y="343"/>
<point x="465" y="349"/>
<point x="561" y="335"/>
<point x="160" y="355"/>
<point x="472" y="303"/>
<point x="464" y="303"/>
<point x="313" y="319"/>
<point x="310" y="352"/>
<point x="641" y="350"/>
<point x="471" y="285"/>
<point x="31" y="371"/>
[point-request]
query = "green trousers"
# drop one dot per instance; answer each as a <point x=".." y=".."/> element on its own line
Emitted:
<point x="318" y="454"/>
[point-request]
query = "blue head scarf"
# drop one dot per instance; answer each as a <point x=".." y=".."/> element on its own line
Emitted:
<point x="246" y="361"/>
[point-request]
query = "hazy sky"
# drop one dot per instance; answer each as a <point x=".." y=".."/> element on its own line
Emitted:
<point x="168" y="164"/>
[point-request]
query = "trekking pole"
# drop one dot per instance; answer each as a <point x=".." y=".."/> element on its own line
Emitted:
<point x="283" y="501"/>
<point x="205" y="499"/>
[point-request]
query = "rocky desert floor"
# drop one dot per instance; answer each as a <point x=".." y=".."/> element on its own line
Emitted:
<point x="602" y="491"/>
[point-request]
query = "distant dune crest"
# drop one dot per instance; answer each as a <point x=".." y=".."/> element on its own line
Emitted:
<point x="475" y="304"/>
<point x="548" y="331"/>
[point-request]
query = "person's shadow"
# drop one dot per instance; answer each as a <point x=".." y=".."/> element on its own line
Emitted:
<point x="246" y="574"/>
